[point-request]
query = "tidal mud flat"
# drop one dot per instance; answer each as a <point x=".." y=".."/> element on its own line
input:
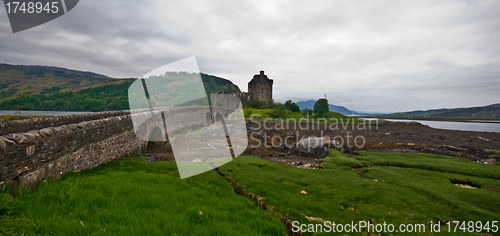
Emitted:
<point x="273" y="141"/>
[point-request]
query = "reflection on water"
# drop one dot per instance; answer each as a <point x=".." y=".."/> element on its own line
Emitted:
<point x="455" y="125"/>
<point x="41" y="113"/>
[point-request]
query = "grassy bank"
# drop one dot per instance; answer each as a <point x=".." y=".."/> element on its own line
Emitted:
<point x="392" y="188"/>
<point x="299" y="117"/>
<point x="132" y="197"/>
<point x="12" y="117"/>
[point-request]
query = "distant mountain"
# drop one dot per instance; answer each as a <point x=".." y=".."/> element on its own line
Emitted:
<point x="309" y="104"/>
<point x="368" y="113"/>
<point x="491" y="111"/>
<point x="59" y="89"/>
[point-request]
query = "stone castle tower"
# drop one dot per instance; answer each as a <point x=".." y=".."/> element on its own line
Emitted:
<point x="261" y="87"/>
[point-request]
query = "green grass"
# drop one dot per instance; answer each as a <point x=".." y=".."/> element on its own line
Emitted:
<point x="424" y="161"/>
<point x="132" y="197"/>
<point x="417" y="193"/>
<point x="493" y="150"/>
<point x="333" y="117"/>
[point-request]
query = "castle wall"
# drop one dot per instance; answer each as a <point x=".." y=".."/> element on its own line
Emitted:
<point x="245" y="98"/>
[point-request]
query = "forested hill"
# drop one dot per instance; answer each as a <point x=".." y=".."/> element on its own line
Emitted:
<point x="491" y="111"/>
<point x="213" y="83"/>
<point x="18" y="80"/>
<point x="59" y="89"/>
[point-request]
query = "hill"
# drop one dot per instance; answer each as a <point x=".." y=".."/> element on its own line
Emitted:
<point x="60" y="89"/>
<point x="19" y="80"/>
<point x="309" y="104"/>
<point x="213" y="84"/>
<point x="490" y="111"/>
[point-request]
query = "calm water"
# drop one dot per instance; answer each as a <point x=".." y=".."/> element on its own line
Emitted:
<point x="455" y="125"/>
<point x="478" y="125"/>
<point x="41" y="113"/>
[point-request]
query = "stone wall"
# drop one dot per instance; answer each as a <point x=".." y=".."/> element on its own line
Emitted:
<point x="26" y="158"/>
<point x="38" y="151"/>
<point x="8" y="127"/>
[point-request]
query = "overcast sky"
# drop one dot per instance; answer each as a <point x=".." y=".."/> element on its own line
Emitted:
<point x="373" y="56"/>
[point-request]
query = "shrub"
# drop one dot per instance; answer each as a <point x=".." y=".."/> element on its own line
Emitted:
<point x="255" y="103"/>
<point x="280" y="112"/>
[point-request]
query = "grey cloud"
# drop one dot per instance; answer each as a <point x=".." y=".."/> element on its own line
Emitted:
<point x="373" y="56"/>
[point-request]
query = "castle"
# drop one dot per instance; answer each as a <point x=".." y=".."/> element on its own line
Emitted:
<point x="260" y="87"/>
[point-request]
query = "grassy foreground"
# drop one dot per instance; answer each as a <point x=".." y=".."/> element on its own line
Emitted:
<point x="132" y="197"/>
<point x="392" y="188"/>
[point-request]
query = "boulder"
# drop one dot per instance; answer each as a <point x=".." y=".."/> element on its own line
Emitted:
<point x="317" y="147"/>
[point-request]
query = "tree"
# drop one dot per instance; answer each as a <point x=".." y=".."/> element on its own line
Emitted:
<point x="292" y="106"/>
<point x="269" y="104"/>
<point x="321" y="107"/>
<point x="307" y="112"/>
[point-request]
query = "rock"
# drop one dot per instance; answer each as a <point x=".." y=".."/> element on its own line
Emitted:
<point x="485" y="139"/>
<point x="303" y="192"/>
<point x="19" y="138"/>
<point x="317" y="219"/>
<point x="29" y="137"/>
<point x="58" y="130"/>
<point x="46" y="132"/>
<point x="6" y="140"/>
<point x="452" y="148"/>
<point x="317" y="147"/>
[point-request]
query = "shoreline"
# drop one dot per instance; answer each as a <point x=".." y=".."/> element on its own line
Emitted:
<point x="449" y="119"/>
